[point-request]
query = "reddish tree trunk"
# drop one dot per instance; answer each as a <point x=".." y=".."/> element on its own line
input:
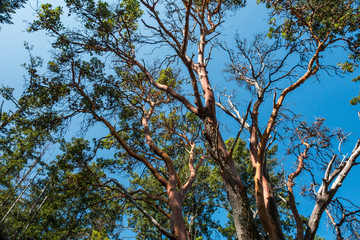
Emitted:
<point x="178" y="226"/>
<point x="265" y="202"/>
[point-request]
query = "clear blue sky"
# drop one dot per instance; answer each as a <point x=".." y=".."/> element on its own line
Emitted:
<point x="328" y="98"/>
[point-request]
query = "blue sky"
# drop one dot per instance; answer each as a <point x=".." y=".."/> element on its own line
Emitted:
<point x="327" y="98"/>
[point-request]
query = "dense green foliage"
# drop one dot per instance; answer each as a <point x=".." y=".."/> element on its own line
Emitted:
<point x="8" y="7"/>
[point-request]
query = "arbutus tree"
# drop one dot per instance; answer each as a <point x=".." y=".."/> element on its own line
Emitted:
<point x="207" y="195"/>
<point x="309" y="28"/>
<point x="126" y="101"/>
<point x="313" y="145"/>
<point x="301" y="30"/>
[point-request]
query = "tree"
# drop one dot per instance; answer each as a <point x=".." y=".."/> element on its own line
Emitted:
<point x="314" y="26"/>
<point x="23" y="132"/>
<point x="208" y="189"/>
<point x="35" y="192"/>
<point x="8" y="7"/>
<point x="135" y="100"/>
<point x="66" y="203"/>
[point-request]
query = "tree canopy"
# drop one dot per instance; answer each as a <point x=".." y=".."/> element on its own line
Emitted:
<point x="108" y="141"/>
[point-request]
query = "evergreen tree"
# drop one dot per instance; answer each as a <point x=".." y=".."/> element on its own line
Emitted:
<point x="8" y="7"/>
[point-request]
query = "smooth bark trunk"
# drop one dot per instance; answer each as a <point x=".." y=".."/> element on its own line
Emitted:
<point x="178" y="226"/>
<point x="314" y="220"/>
<point x="264" y="195"/>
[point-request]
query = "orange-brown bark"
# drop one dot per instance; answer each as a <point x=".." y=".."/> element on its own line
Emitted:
<point x="290" y="184"/>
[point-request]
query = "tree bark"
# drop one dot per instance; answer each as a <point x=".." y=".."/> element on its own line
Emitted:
<point x="264" y="195"/>
<point x="178" y="226"/>
<point x="290" y="184"/>
<point x="318" y="210"/>
<point x="236" y="192"/>
<point x="266" y="204"/>
<point x="235" y="189"/>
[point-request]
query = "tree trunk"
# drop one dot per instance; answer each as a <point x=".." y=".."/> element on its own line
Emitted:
<point x="178" y="226"/>
<point x="236" y="193"/>
<point x="314" y="220"/>
<point x="266" y="205"/>
<point x="235" y="189"/>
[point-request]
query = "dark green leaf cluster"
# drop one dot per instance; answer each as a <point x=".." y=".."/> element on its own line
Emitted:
<point x="68" y="202"/>
<point x="105" y="27"/>
<point x="320" y="19"/>
<point x="350" y="66"/>
<point x="24" y="131"/>
<point x="8" y="7"/>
